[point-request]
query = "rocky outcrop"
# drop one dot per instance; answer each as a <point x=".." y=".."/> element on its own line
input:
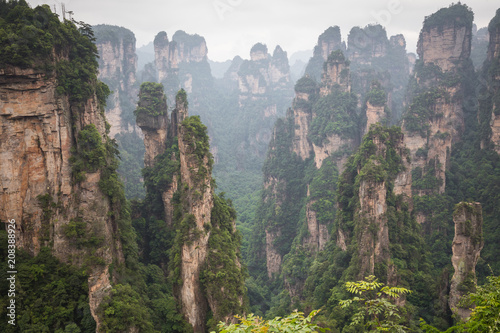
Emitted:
<point x="373" y="245"/>
<point x="434" y="120"/>
<point x="489" y="116"/>
<point x="329" y="41"/>
<point x="336" y="78"/>
<point x="181" y="146"/>
<point x="374" y="56"/>
<point x="263" y="74"/>
<point x="182" y="62"/>
<point x="230" y="81"/>
<point x="199" y="200"/>
<point x="318" y="235"/>
<point x="273" y="258"/>
<point x="117" y="68"/>
<point x="336" y="72"/>
<point x="384" y="160"/>
<point x="467" y="245"/>
<point x="265" y="91"/>
<point x="38" y="132"/>
<point x="369" y="43"/>
<point x="305" y="89"/>
<point x="374" y="114"/>
<point x="445" y="44"/>
<point x="152" y="118"/>
<point x="375" y="108"/>
<point x="479" y="46"/>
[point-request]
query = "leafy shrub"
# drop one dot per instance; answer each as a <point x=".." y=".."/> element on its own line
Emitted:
<point x="295" y="322"/>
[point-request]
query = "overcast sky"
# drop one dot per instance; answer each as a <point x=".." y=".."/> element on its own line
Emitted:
<point x="231" y="27"/>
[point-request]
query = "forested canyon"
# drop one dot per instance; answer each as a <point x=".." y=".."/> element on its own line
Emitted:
<point x="152" y="195"/>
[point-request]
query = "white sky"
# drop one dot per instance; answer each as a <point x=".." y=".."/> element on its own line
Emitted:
<point x="232" y="27"/>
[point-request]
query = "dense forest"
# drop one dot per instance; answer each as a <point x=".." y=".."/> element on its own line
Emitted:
<point x="363" y="197"/>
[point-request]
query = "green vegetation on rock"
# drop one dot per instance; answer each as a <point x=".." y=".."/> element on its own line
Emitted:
<point x="152" y="100"/>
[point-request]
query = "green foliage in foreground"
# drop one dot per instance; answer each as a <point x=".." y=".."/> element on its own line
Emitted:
<point x="295" y="322"/>
<point x="485" y="316"/>
<point x="375" y="308"/>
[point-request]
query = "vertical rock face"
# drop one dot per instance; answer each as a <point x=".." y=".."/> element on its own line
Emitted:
<point x="265" y="90"/>
<point x="163" y="57"/>
<point x="152" y="118"/>
<point x="329" y="41"/>
<point x="379" y="162"/>
<point x="336" y="72"/>
<point x="264" y="74"/>
<point x="335" y="86"/>
<point x="273" y="257"/>
<point x="335" y="81"/>
<point x="374" y="114"/>
<point x="445" y="44"/>
<point x="374" y="56"/>
<point x="434" y="120"/>
<point x="231" y="79"/>
<point x="117" y="68"/>
<point x="490" y="103"/>
<point x="373" y="207"/>
<point x="199" y="199"/>
<point x="182" y="62"/>
<point x="368" y="43"/>
<point x="37" y="134"/>
<point x="318" y="233"/>
<point x="467" y="246"/>
<point x="375" y="109"/>
<point x="181" y="146"/>
<point x="479" y="46"/>
<point x="305" y="89"/>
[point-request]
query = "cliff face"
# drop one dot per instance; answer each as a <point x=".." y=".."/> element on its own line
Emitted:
<point x="490" y="103"/>
<point x="335" y="75"/>
<point x="39" y="129"/>
<point x="375" y="57"/>
<point x="198" y="198"/>
<point x="329" y="41"/>
<point x="262" y="76"/>
<point x="335" y="87"/>
<point x="182" y="62"/>
<point x="179" y="149"/>
<point x="152" y="118"/>
<point x="434" y="120"/>
<point x="264" y="93"/>
<point x="387" y="160"/>
<point x="302" y="111"/>
<point x="467" y="245"/>
<point x="117" y="68"/>
<point x="444" y="45"/>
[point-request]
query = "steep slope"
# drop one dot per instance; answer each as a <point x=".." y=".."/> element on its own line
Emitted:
<point x="264" y="89"/>
<point x="58" y="163"/>
<point x="375" y="57"/>
<point x="203" y="262"/>
<point x="117" y="68"/>
<point x="467" y="245"/>
<point x="489" y="99"/>
<point x="329" y="41"/>
<point x="182" y="62"/>
<point x="434" y="120"/>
